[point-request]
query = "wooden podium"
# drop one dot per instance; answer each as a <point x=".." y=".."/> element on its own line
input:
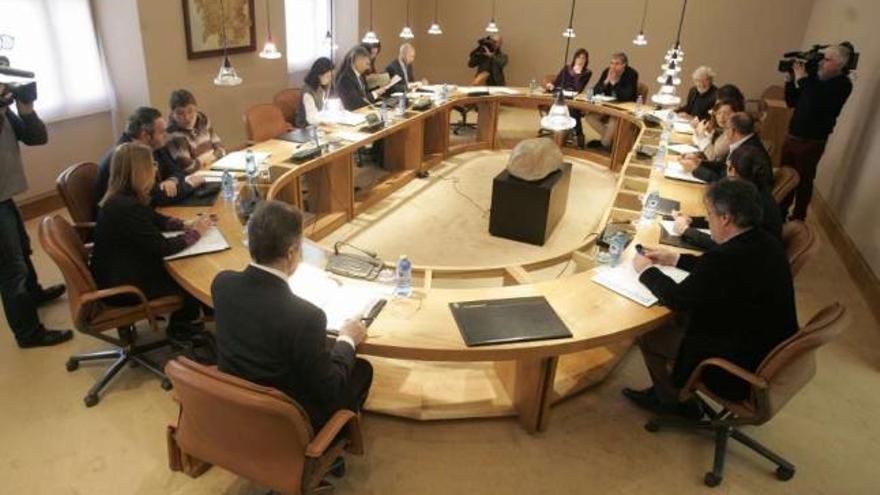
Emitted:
<point x="528" y="211"/>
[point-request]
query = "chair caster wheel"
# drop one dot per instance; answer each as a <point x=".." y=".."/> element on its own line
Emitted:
<point x="711" y="479"/>
<point x="167" y="385"/>
<point x="652" y="426"/>
<point x="72" y="365"/>
<point x="90" y="400"/>
<point x="784" y="473"/>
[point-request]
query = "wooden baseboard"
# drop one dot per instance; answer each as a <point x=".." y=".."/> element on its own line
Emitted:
<point x="40" y="205"/>
<point x="859" y="269"/>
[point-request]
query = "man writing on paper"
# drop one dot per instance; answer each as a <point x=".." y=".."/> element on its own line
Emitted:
<point x="352" y="84"/>
<point x="738" y="302"/>
<point x="269" y="336"/>
<point x="402" y="67"/>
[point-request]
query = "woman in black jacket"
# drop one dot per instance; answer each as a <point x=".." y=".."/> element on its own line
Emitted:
<point x="129" y="241"/>
<point x="574" y="77"/>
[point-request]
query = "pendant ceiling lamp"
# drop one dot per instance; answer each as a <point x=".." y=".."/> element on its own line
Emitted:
<point x="492" y="28"/>
<point x="558" y="119"/>
<point x="226" y="76"/>
<point x="435" y="28"/>
<point x="640" y="40"/>
<point x="669" y="79"/>
<point x="270" y="51"/>
<point x="371" y="37"/>
<point x="407" y="33"/>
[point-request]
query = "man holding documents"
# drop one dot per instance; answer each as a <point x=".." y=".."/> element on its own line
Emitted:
<point x="742" y="135"/>
<point x="269" y="336"/>
<point x="738" y="303"/>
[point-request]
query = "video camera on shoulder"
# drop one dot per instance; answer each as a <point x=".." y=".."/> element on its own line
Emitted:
<point x="15" y="89"/>
<point x="813" y="56"/>
<point x="488" y="43"/>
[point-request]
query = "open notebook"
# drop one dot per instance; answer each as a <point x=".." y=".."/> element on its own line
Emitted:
<point x="211" y="242"/>
<point x="236" y="160"/>
<point x="340" y="300"/>
<point x="624" y="280"/>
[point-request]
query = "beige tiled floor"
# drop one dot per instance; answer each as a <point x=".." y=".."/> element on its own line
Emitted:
<point x="50" y="443"/>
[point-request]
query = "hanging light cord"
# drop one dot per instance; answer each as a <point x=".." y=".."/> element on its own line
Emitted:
<point x="493" y="10"/>
<point x="268" y="21"/>
<point x="435" y="11"/>
<point x="407" y="13"/>
<point x="570" y="26"/>
<point x="644" y="16"/>
<point x="680" y="24"/>
<point x="371" y="15"/>
<point x="223" y="25"/>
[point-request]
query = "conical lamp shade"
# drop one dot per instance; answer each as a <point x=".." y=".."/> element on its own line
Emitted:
<point x="406" y="33"/>
<point x="640" y="40"/>
<point x="270" y="51"/>
<point x="227" y="76"/>
<point x="558" y="119"/>
<point x="492" y="27"/>
<point x="370" y="38"/>
<point x="435" y="29"/>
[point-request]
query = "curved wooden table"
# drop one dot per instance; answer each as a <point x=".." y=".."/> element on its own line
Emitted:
<point x="423" y="368"/>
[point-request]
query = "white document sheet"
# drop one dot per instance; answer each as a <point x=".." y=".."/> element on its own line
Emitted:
<point x="624" y="280"/>
<point x="211" y="242"/>
<point x="341" y="300"/>
<point x="669" y="227"/>
<point x="352" y="136"/>
<point x="683" y="149"/>
<point x="236" y="160"/>
<point x="674" y="170"/>
<point x="683" y="127"/>
<point x="604" y="98"/>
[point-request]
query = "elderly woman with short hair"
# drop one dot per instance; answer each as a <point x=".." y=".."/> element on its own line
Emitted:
<point x="702" y="95"/>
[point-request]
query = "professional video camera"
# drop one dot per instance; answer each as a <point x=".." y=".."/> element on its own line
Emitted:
<point x="488" y="43"/>
<point x="25" y="91"/>
<point x="813" y="56"/>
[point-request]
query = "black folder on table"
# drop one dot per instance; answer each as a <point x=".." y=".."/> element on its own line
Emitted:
<point x="667" y="206"/>
<point x="501" y="321"/>
<point x="295" y="136"/>
<point x="677" y="241"/>
<point x="205" y="195"/>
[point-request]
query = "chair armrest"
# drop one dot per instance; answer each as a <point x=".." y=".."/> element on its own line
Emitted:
<point x="84" y="225"/>
<point x="330" y="431"/>
<point x="99" y="295"/>
<point x="747" y="376"/>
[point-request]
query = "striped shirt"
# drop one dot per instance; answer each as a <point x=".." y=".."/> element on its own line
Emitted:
<point x="192" y="148"/>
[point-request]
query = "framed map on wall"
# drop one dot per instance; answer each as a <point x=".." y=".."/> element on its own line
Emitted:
<point x="204" y="22"/>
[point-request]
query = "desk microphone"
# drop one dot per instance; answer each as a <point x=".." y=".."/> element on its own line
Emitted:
<point x="339" y="244"/>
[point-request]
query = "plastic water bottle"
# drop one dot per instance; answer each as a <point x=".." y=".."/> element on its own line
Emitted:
<point x="660" y="157"/>
<point x="615" y="247"/>
<point x="404" y="277"/>
<point x="444" y="93"/>
<point x="401" y="105"/>
<point x="640" y="102"/>
<point x="652" y="202"/>
<point x="533" y="86"/>
<point x="590" y="95"/>
<point x="228" y="184"/>
<point x="383" y="112"/>
<point x="250" y="166"/>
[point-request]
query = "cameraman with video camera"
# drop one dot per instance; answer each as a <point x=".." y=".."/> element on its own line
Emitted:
<point x="487" y="57"/>
<point x="817" y="86"/>
<point x="19" y="289"/>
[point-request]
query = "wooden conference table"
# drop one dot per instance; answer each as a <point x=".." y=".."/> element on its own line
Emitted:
<point x="423" y="370"/>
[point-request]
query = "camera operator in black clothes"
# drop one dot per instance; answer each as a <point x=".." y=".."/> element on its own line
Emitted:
<point x="487" y="57"/>
<point x="817" y="96"/>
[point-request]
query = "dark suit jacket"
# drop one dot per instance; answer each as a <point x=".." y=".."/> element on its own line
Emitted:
<point x="269" y="336"/>
<point x="739" y="300"/>
<point x="698" y="105"/>
<point x="166" y="168"/>
<point x="771" y="223"/>
<point x="626" y="89"/>
<point x="352" y="94"/>
<point x="129" y="247"/>
<point x="715" y="170"/>
<point x="406" y="76"/>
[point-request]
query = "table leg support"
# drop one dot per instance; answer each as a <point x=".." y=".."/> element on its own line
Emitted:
<point x="530" y="384"/>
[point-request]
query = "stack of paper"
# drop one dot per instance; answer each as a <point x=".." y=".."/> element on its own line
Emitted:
<point x="683" y="149"/>
<point x="674" y="170"/>
<point x="624" y="280"/>
<point x="669" y="227"/>
<point x="340" y="301"/>
<point x="603" y="98"/>
<point x="351" y="136"/>
<point x="211" y="242"/>
<point x="683" y="127"/>
<point x="236" y="160"/>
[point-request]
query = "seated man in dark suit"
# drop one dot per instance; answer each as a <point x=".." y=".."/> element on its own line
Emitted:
<point x="351" y="83"/>
<point x="742" y="136"/>
<point x="620" y="81"/>
<point x="403" y="69"/>
<point x="269" y="336"/>
<point x="738" y="302"/>
<point x="147" y="126"/>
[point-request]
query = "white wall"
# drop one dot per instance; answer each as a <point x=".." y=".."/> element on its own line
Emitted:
<point x="849" y="173"/>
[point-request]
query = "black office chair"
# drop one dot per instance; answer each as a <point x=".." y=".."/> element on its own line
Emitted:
<point x="464" y="110"/>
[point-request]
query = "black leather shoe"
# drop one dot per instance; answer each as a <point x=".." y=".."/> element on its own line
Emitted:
<point x="47" y="338"/>
<point x="50" y="293"/>
<point x="647" y="399"/>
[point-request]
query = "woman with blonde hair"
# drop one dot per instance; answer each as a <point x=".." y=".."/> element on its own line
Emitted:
<point x="129" y="244"/>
